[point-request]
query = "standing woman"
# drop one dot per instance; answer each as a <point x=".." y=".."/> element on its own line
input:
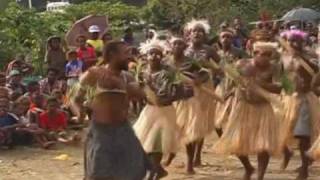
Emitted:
<point x="156" y="126"/>
<point x="190" y="117"/>
<point x="199" y="52"/>
<point x="55" y="55"/>
<point x="229" y="55"/>
<point x="252" y="125"/>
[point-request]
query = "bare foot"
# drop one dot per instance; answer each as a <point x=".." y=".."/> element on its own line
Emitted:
<point x="190" y="171"/>
<point x="197" y="163"/>
<point x="303" y="175"/>
<point x="169" y="160"/>
<point x="48" y="144"/>
<point x="286" y="160"/>
<point x="248" y="174"/>
<point x="161" y="173"/>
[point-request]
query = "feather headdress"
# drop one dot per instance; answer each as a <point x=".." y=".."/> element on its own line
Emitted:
<point x="195" y="23"/>
<point x="265" y="45"/>
<point x="295" y="33"/>
<point x="152" y="44"/>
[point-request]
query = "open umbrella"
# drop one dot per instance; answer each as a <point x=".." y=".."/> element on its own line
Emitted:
<point x="301" y="14"/>
<point x="81" y="26"/>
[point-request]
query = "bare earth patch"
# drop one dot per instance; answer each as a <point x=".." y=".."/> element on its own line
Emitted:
<point x="24" y="163"/>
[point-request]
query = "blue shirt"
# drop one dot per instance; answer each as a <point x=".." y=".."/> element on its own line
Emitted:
<point x="74" y="68"/>
<point x="7" y="120"/>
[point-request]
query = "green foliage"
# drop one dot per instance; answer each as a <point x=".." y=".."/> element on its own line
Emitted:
<point x="26" y="31"/>
<point x="166" y="14"/>
<point x="4" y="4"/>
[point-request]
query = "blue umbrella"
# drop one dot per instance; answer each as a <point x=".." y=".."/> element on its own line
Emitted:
<point x="301" y="14"/>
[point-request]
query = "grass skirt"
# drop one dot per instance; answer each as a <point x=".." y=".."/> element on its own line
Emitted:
<point x="314" y="151"/>
<point x="195" y="116"/>
<point x="207" y="107"/>
<point x="251" y="129"/>
<point x="156" y="129"/>
<point x="290" y="114"/>
<point x="222" y="111"/>
<point x="190" y="120"/>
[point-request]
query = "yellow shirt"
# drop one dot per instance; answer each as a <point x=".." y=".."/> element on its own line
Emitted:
<point x="96" y="44"/>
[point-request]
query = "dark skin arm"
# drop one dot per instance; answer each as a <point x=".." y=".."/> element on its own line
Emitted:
<point x="135" y="92"/>
<point x="315" y="85"/>
<point x="271" y="87"/>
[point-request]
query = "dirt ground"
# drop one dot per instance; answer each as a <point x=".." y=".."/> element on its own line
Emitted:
<point x="26" y="163"/>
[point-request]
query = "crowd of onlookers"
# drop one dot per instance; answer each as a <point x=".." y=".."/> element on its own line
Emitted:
<point x="39" y="111"/>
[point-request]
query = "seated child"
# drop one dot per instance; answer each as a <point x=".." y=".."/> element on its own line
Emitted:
<point x="54" y="121"/>
<point x="37" y="107"/>
<point x="28" y="131"/>
<point x="8" y="124"/>
<point x="32" y="87"/>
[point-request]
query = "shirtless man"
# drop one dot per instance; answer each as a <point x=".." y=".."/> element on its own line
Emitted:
<point x="301" y="68"/>
<point x="112" y="150"/>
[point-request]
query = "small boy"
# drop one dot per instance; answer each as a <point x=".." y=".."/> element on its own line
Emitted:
<point x="74" y="68"/>
<point x="54" y="121"/>
<point x="37" y="107"/>
<point x="8" y="124"/>
<point x="32" y="87"/>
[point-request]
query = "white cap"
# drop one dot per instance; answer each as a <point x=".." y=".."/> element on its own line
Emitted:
<point x="94" y="28"/>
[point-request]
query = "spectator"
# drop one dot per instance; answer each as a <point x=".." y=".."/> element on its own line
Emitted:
<point x="74" y="68"/>
<point x="54" y="121"/>
<point x="36" y="108"/>
<point x="86" y="53"/>
<point x="55" y="55"/>
<point x="3" y="79"/>
<point x="94" y="40"/>
<point x="128" y="37"/>
<point x="106" y="37"/>
<point x="240" y="33"/>
<point x="28" y="131"/>
<point x="20" y="65"/>
<point x="50" y="83"/>
<point x="15" y="82"/>
<point x="8" y="124"/>
<point x="32" y="87"/>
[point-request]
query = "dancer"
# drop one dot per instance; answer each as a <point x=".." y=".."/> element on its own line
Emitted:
<point x="190" y="118"/>
<point x="229" y="55"/>
<point x="197" y="31"/>
<point x="252" y="125"/>
<point x="112" y="150"/>
<point x="301" y="116"/>
<point x="156" y="126"/>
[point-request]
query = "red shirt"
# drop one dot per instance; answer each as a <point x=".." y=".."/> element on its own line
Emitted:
<point x="59" y="122"/>
<point x="86" y="56"/>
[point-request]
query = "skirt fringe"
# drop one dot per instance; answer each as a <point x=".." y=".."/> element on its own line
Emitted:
<point x="156" y="129"/>
<point x="251" y="129"/>
<point x="289" y="115"/>
<point x="222" y="111"/>
<point x="195" y="116"/>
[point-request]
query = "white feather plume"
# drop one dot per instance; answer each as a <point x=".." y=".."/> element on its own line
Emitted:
<point x="265" y="45"/>
<point x="201" y="22"/>
<point x="152" y="44"/>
